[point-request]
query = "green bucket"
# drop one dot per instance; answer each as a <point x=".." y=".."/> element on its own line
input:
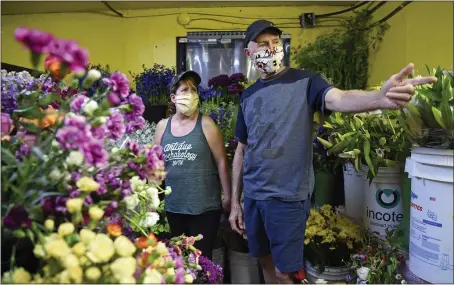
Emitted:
<point x="324" y="189"/>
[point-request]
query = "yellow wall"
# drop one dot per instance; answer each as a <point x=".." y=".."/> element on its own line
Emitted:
<point x="126" y="44"/>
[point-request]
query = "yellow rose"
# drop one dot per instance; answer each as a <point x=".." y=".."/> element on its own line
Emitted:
<point x="76" y="274"/>
<point x="71" y="261"/>
<point x="188" y="279"/>
<point x="170" y="271"/>
<point x="65" y="229"/>
<point x="64" y="277"/>
<point x="128" y="280"/>
<point x="161" y="248"/>
<point x="152" y="276"/>
<point x="79" y="249"/>
<point x="93" y="273"/>
<point x="57" y="248"/>
<point x="83" y="261"/>
<point x="49" y="225"/>
<point x="86" y="236"/>
<point x="95" y="213"/>
<point x="38" y="251"/>
<point x="124" y="247"/>
<point x="123" y="267"/>
<point x="86" y="184"/>
<point x="101" y="249"/>
<point x="21" y="275"/>
<point x="74" y="205"/>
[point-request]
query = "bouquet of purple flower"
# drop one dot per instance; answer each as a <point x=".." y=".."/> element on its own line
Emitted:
<point x="54" y="161"/>
<point x="152" y="84"/>
<point x="210" y="274"/>
<point x="227" y="89"/>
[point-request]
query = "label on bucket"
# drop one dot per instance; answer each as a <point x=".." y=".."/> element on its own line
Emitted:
<point x="431" y="231"/>
<point x="383" y="207"/>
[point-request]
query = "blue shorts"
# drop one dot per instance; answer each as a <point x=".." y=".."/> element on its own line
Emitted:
<point x="277" y="227"/>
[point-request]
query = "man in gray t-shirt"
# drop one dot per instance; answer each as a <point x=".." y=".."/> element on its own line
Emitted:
<point x="273" y="160"/>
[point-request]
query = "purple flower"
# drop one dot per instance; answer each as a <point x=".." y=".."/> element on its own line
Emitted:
<point x="134" y="123"/>
<point x="237" y="77"/>
<point x="74" y="194"/>
<point x="113" y="99"/>
<point x="69" y="52"/>
<point x="95" y="154"/>
<point x="75" y="134"/>
<point x="116" y="125"/>
<point x="133" y="147"/>
<point x="211" y="273"/>
<point x="7" y="124"/>
<point x="16" y="218"/>
<point x="60" y="204"/>
<point x="75" y="176"/>
<point x="110" y="209"/>
<point x="219" y="81"/>
<point x="88" y="200"/>
<point x="23" y="151"/>
<point x="119" y="83"/>
<point x="78" y="102"/>
<point x="235" y="88"/>
<point x="34" y="40"/>
<point x="98" y="132"/>
<point x="80" y="59"/>
<point x="137" y="104"/>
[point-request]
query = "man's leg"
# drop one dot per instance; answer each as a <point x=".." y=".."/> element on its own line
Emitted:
<point x="285" y="224"/>
<point x="259" y="245"/>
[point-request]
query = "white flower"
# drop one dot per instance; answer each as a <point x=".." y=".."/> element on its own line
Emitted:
<point x="131" y="201"/>
<point x="136" y="182"/>
<point x="363" y="272"/>
<point x="114" y="150"/>
<point x="150" y="220"/>
<point x="89" y="107"/>
<point x="168" y="190"/>
<point x="151" y="191"/>
<point x="55" y="174"/>
<point x="321" y="281"/>
<point x="75" y="158"/>
<point x="102" y="119"/>
<point x="94" y="74"/>
<point x="155" y="201"/>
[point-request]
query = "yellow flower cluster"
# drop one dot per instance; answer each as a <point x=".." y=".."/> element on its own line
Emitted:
<point x="326" y="226"/>
<point x="83" y="257"/>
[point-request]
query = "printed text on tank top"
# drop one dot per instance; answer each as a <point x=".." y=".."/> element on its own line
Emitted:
<point x="179" y="152"/>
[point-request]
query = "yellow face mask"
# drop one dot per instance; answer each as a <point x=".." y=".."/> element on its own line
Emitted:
<point x="187" y="103"/>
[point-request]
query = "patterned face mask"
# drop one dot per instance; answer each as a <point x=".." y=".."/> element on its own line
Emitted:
<point x="268" y="61"/>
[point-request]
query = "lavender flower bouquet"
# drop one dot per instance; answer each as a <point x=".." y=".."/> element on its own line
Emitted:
<point x="210" y="273"/>
<point x="152" y="84"/>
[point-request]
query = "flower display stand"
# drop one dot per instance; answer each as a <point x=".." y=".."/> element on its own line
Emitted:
<point x="330" y="274"/>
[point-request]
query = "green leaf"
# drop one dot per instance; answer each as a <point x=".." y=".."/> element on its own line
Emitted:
<point x="8" y="157"/>
<point x="366" y="146"/>
<point x="32" y="112"/>
<point x="48" y="99"/>
<point x="29" y="126"/>
<point x="35" y="59"/>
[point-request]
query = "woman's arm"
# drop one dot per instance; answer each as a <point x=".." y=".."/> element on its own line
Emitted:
<point x="216" y="143"/>
<point x="160" y="128"/>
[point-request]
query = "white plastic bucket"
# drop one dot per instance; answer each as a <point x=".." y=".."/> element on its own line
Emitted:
<point x="244" y="268"/>
<point x="383" y="208"/>
<point x="354" y="191"/>
<point x="330" y="274"/>
<point x="431" y="214"/>
<point x="218" y="257"/>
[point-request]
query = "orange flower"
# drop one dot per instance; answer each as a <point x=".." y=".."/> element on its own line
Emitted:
<point x="152" y="240"/>
<point x="142" y="242"/>
<point x="56" y="67"/>
<point x="114" y="230"/>
<point x="143" y="260"/>
<point x="49" y="119"/>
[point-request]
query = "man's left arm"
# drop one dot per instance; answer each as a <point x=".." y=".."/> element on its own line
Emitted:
<point x="394" y="94"/>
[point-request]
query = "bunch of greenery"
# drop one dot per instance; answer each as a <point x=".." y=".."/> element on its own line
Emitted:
<point x="343" y="54"/>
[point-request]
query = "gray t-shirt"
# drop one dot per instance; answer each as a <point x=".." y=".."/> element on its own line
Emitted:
<point x="275" y="120"/>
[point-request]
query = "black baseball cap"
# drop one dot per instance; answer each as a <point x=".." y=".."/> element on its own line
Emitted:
<point x="185" y="74"/>
<point x="256" y="28"/>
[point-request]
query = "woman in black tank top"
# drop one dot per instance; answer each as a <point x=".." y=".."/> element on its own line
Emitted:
<point x="196" y="166"/>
